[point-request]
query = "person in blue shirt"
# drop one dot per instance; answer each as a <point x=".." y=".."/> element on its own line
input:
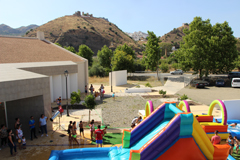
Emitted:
<point x="32" y="127"/>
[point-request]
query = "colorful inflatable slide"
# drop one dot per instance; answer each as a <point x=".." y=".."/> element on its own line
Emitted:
<point x="167" y="133"/>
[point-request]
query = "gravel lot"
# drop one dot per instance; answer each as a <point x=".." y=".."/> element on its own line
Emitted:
<point x="207" y="95"/>
<point x="119" y="113"/>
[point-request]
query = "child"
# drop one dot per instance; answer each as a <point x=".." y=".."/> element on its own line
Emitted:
<point x="91" y="125"/>
<point x="105" y="130"/>
<point x="233" y="125"/>
<point x="60" y="110"/>
<point x="23" y="142"/>
<point x="230" y="141"/>
<point x="113" y="95"/>
<point x="236" y="143"/>
<point x="69" y="130"/>
<point x="81" y="128"/>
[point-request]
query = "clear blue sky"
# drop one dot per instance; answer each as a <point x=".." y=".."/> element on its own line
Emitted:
<point x="159" y="16"/>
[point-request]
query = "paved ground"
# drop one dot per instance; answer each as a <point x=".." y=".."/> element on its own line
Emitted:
<point x="207" y="95"/>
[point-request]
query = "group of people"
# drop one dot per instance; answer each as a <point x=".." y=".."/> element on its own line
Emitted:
<point x="8" y="137"/>
<point x="216" y="139"/>
<point x="101" y="90"/>
<point x="97" y="134"/>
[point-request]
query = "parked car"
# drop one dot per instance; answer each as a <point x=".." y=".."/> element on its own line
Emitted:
<point x="235" y="82"/>
<point x="178" y="71"/>
<point x="220" y="83"/>
<point x="199" y="83"/>
<point x="234" y="75"/>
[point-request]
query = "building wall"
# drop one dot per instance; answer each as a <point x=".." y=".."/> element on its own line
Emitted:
<point x="26" y="107"/>
<point x="26" y="88"/>
<point x="82" y="75"/>
<point x="119" y="78"/>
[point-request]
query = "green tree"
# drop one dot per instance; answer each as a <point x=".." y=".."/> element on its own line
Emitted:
<point x="164" y="46"/>
<point x="152" y="52"/>
<point x="237" y="63"/>
<point x="97" y="70"/>
<point x="89" y="102"/>
<point x="206" y="48"/>
<point x="75" y="97"/>
<point x="70" y="48"/>
<point x="105" y="56"/>
<point x="175" y="66"/>
<point x="58" y="44"/>
<point x="85" y="52"/>
<point x="122" y="61"/>
<point x="127" y="49"/>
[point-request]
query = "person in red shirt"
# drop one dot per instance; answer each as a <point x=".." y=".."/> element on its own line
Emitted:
<point x="216" y="139"/>
<point x="98" y="135"/>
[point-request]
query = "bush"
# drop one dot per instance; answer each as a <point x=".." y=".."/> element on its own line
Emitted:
<point x="75" y="97"/>
<point x="184" y="97"/>
<point x="92" y="28"/>
<point x="84" y="27"/>
<point x="175" y="66"/>
<point x="31" y="29"/>
<point x="148" y="85"/>
<point x="110" y="23"/>
<point x="164" y="67"/>
<point x="78" y="26"/>
<point x="162" y="92"/>
<point x="110" y="28"/>
<point x="27" y="32"/>
<point x="137" y="86"/>
<point x="97" y="70"/>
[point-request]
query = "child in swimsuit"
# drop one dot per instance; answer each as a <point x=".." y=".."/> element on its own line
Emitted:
<point x="74" y="132"/>
<point x="81" y="128"/>
<point x="236" y="143"/>
<point x="23" y="142"/>
<point x="230" y="141"/>
<point x="113" y="95"/>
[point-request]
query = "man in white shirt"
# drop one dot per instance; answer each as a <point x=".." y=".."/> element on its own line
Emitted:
<point x="43" y="124"/>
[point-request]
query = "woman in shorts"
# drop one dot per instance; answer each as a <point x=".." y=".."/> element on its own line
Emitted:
<point x="74" y="132"/>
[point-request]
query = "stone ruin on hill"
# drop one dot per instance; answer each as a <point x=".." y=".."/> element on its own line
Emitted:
<point x="78" y="13"/>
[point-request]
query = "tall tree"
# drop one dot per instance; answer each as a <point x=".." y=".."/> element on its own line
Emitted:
<point x="105" y="56"/>
<point x="202" y="48"/>
<point x="152" y="52"/>
<point x="85" y="52"/>
<point x="122" y="61"/>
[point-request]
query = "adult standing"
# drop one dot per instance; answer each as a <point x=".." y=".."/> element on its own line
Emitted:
<point x="91" y="89"/>
<point x="216" y="139"/>
<point x="101" y="90"/>
<point x="43" y="124"/>
<point x="32" y="127"/>
<point x="11" y="143"/>
<point x="3" y="135"/>
<point x="19" y="134"/>
<point x="98" y="135"/>
<point x="17" y="122"/>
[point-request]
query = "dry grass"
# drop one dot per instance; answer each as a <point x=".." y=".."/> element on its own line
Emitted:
<point x="132" y="81"/>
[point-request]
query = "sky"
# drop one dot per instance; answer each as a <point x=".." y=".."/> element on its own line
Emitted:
<point x="159" y="16"/>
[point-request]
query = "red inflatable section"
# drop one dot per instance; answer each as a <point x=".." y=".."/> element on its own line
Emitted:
<point x="204" y="118"/>
<point x="183" y="149"/>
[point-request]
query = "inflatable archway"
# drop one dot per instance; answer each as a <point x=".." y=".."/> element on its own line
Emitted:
<point x="148" y="108"/>
<point x="185" y="105"/>
<point x="223" y="109"/>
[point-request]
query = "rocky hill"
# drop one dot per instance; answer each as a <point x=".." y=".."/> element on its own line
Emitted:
<point x="75" y="30"/>
<point x="7" y="30"/>
<point x="138" y="35"/>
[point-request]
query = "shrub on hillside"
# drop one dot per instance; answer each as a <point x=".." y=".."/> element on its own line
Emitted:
<point x="92" y="28"/>
<point x="110" y="28"/>
<point x="162" y="92"/>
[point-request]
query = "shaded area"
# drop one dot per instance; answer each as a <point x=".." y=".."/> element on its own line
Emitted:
<point x="111" y="138"/>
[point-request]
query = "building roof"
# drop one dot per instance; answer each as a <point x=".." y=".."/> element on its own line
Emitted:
<point x="21" y="50"/>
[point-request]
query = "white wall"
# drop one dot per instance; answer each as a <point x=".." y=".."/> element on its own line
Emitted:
<point x="51" y="88"/>
<point x="119" y="78"/>
<point x="233" y="109"/>
<point x="57" y="86"/>
<point x="73" y="82"/>
<point x="82" y="76"/>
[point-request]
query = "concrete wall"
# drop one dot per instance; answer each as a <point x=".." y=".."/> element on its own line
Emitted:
<point x="21" y="89"/>
<point x="233" y="109"/>
<point x="73" y="82"/>
<point x="82" y="75"/>
<point x="119" y="78"/>
<point x="26" y="107"/>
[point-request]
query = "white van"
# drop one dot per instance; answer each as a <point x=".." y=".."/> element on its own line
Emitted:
<point x="236" y="82"/>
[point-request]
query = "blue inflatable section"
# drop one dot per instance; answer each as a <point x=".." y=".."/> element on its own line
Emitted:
<point x="82" y="154"/>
